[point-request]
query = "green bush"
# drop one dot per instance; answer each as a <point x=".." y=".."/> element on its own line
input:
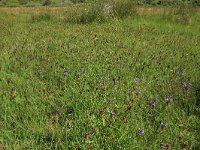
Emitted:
<point x="183" y="13"/>
<point x="77" y="1"/>
<point x="122" y="9"/>
<point x="23" y="2"/>
<point x="46" y="3"/>
<point x="94" y="13"/>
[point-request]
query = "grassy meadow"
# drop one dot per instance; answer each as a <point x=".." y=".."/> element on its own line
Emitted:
<point x="106" y="83"/>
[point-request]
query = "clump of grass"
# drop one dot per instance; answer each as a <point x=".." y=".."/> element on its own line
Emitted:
<point x="94" y="13"/>
<point x="41" y="17"/>
<point x="103" y="11"/>
<point x="123" y="9"/>
<point x="182" y="14"/>
<point x="46" y="3"/>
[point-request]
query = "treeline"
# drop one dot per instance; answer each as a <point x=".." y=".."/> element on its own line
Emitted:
<point x="138" y="2"/>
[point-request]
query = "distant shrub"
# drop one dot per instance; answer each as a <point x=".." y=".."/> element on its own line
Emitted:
<point x="122" y="9"/>
<point x="23" y="2"/>
<point x="103" y="10"/>
<point x="46" y="3"/>
<point x="4" y="2"/>
<point x="41" y="17"/>
<point x="183" y="13"/>
<point x="94" y="13"/>
<point x="77" y="1"/>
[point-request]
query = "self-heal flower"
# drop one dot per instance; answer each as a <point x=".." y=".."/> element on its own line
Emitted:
<point x="168" y="100"/>
<point x="111" y="113"/>
<point x="136" y="79"/>
<point x="65" y="72"/>
<point x="155" y="100"/>
<point x="39" y="72"/>
<point x="154" y="105"/>
<point x="139" y="93"/>
<point x="115" y="81"/>
<point x="186" y="86"/>
<point x="140" y="131"/>
<point x="164" y="125"/>
<point x="164" y="145"/>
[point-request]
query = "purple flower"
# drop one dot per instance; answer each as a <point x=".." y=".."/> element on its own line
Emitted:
<point x="39" y="72"/>
<point x="111" y="113"/>
<point x="136" y="79"/>
<point x="115" y="81"/>
<point x="139" y="93"/>
<point x="140" y="131"/>
<point x="186" y="86"/>
<point x="155" y="100"/>
<point x="65" y="72"/>
<point x="154" y="105"/>
<point x="164" y="125"/>
<point x="164" y="145"/>
<point x="168" y="100"/>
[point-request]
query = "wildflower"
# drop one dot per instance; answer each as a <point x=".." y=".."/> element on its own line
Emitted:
<point x="39" y="72"/>
<point x="111" y="113"/>
<point x="168" y="100"/>
<point x="164" y="145"/>
<point x="140" y="131"/>
<point x="155" y="102"/>
<point x="186" y="86"/>
<point x="65" y="72"/>
<point x="184" y="146"/>
<point x="139" y="93"/>
<point x="136" y="79"/>
<point x="154" y="105"/>
<point x="164" y="125"/>
<point x="115" y="81"/>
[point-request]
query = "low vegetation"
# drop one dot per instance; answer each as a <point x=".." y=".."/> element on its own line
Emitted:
<point x="109" y="75"/>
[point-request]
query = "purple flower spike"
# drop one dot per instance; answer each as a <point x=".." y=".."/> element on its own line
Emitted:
<point x="111" y="113"/>
<point x="115" y="81"/>
<point x="139" y="93"/>
<point x="186" y="86"/>
<point x="154" y="105"/>
<point x="136" y="79"/>
<point x="168" y="100"/>
<point x="155" y="100"/>
<point x="39" y="72"/>
<point x="65" y="72"/>
<point x="140" y="131"/>
<point x="164" y="125"/>
<point x="164" y="145"/>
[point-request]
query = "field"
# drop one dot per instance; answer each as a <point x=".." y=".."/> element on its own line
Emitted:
<point x="131" y="83"/>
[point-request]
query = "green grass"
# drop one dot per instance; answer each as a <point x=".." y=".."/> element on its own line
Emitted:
<point x="74" y="103"/>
